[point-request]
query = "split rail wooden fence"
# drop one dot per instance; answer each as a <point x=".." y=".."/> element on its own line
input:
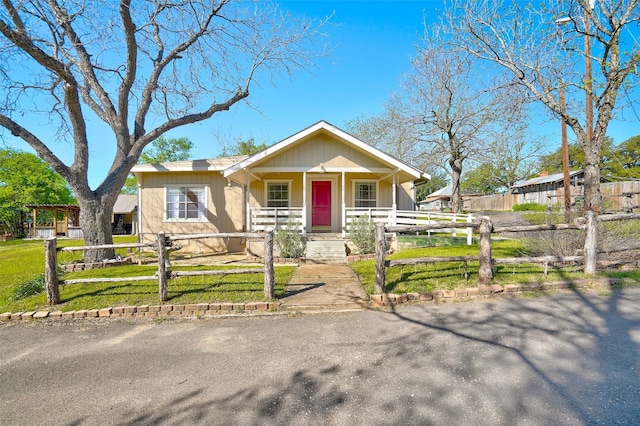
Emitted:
<point x="485" y="228"/>
<point x="164" y="273"/>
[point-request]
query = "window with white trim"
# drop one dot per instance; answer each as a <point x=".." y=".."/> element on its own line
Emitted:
<point x="365" y="194"/>
<point x="277" y="194"/>
<point x="186" y="203"/>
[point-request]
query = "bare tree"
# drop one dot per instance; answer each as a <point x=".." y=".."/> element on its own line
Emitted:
<point x="506" y="162"/>
<point x="554" y="45"/>
<point x="390" y="132"/>
<point x="454" y="112"/>
<point x="140" y="67"/>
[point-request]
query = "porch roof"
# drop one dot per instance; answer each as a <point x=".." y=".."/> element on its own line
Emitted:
<point x="390" y="162"/>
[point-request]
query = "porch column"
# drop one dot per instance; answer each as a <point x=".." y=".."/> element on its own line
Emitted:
<point x="35" y="221"/>
<point x="248" y="200"/>
<point x="304" y="203"/>
<point x="344" y="206"/>
<point x="55" y="222"/>
<point x="394" y="205"/>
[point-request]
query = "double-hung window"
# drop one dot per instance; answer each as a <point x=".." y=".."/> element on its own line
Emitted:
<point x="186" y="203"/>
<point x="365" y="194"/>
<point x="277" y="194"/>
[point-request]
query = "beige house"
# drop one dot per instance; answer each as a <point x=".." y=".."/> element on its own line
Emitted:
<point x="321" y="177"/>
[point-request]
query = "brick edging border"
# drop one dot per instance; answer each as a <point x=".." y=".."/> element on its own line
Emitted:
<point x="197" y="310"/>
<point x="190" y="310"/>
<point x="492" y="290"/>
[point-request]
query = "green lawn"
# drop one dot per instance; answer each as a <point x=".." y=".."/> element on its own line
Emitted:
<point x="23" y="260"/>
<point x="451" y="275"/>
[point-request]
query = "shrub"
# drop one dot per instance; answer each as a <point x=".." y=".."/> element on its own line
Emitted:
<point x="533" y="207"/>
<point x="29" y="288"/>
<point x="289" y="241"/>
<point x="553" y="243"/>
<point x="363" y="234"/>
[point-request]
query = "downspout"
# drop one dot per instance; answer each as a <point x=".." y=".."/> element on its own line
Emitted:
<point x="248" y="201"/>
<point x="394" y="204"/>
<point x="139" y="212"/>
<point x="304" y="203"/>
<point x="344" y="206"/>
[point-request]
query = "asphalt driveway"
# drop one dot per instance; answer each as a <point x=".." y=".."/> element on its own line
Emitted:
<point x="571" y="358"/>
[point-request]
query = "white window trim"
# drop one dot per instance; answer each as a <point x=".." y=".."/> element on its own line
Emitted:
<point x="266" y="192"/>
<point x="188" y="185"/>
<point x="353" y="191"/>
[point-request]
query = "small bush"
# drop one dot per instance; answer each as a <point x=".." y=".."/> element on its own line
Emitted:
<point x="29" y="288"/>
<point x="529" y="207"/>
<point x="363" y="234"/>
<point x="289" y="241"/>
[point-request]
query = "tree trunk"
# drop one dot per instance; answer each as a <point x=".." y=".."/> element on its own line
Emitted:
<point x="592" y="195"/>
<point x="95" y="221"/>
<point x="456" y="196"/>
<point x="485" y="271"/>
<point x="591" y="244"/>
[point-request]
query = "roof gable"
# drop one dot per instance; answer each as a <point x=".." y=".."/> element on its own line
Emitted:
<point x="340" y="135"/>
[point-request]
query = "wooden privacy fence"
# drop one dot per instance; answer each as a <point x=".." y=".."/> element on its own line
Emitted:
<point x="162" y="244"/>
<point x="485" y="228"/>
<point x="616" y="196"/>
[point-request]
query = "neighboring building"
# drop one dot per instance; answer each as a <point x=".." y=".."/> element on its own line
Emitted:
<point x="321" y="177"/>
<point x="63" y="220"/>
<point x="125" y="220"/>
<point x="543" y="189"/>
<point x="439" y="200"/>
<point x="54" y="220"/>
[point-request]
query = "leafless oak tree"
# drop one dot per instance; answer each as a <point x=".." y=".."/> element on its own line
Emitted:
<point x="456" y="113"/>
<point x="142" y="68"/>
<point x="553" y="44"/>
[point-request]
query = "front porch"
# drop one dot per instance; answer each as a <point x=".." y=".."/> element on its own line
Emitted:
<point x="263" y="218"/>
<point x="333" y="247"/>
<point x="277" y="218"/>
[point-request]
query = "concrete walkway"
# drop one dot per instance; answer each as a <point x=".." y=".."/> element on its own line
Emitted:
<point x="324" y="287"/>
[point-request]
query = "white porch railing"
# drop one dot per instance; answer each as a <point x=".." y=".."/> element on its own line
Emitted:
<point x="275" y="218"/>
<point x="375" y="214"/>
<point x="411" y="218"/>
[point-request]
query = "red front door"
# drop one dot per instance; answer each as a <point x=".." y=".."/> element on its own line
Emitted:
<point x="321" y="205"/>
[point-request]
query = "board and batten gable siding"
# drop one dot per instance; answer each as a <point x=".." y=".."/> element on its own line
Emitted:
<point x="224" y="209"/>
<point x="320" y="149"/>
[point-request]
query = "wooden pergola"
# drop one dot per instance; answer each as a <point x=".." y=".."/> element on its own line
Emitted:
<point x="71" y="213"/>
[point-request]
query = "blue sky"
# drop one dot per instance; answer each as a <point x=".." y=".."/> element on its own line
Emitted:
<point x="374" y="42"/>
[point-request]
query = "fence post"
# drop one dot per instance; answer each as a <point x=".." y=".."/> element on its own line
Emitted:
<point x="454" y="220"/>
<point x="51" y="271"/>
<point x="381" y="246"/>
<point x="591" y="244"/>
<point x="485" y="272"/>
<point x="469" y="231"/>
<point x="269" y="292"/>
<point x="162" y="267"/>
<point x="627" y="203"/>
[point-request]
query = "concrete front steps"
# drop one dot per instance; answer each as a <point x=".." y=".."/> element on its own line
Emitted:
<point x="326" y="250"/>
